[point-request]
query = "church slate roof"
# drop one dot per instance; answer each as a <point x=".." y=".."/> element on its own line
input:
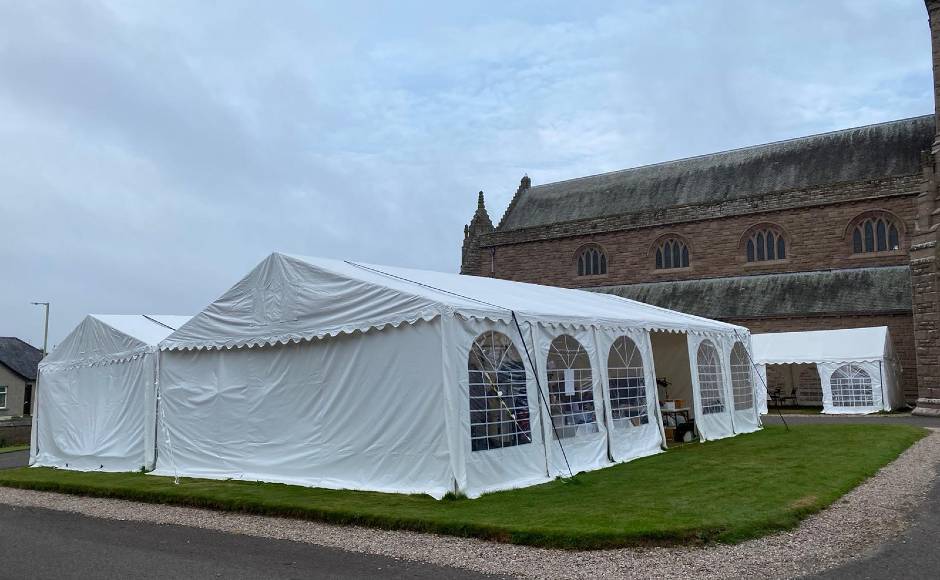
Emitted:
<point x="20" y="357"/>
<point x="859" y="154"/>
<point x="855" y="291"/>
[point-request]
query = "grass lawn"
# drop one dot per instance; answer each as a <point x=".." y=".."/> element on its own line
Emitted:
<point x="727" y="490"/>
<point x="10" y="448"/>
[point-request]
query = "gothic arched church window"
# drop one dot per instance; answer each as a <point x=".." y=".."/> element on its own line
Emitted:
<point x="875" y="232"/>
<point x="765" y="243"/>
<point x="592" y="261"/>
<point x="672" y="252"/>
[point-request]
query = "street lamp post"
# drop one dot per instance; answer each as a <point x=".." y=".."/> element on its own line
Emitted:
<point x="45" y="336"/>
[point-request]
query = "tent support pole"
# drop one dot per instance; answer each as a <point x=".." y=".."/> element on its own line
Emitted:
<point x="538" y="384"/>
<point x="766" y="390"/>
<point x="881" y="373"/>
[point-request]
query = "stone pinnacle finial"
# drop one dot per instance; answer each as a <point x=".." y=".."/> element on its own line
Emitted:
<point x="525" y="183"/>
<point x="480" y="203"/>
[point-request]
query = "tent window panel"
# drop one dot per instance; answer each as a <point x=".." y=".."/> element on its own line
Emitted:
<point x="711" y="383"/>
<point x="742" y="379"/>
<point x="627" y="384"/>
<point x="499" y="405"/>
<point x="570" y="388"/>
<point x="851" y="387"/>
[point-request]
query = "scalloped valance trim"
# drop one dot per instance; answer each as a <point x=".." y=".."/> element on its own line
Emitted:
<point x="96" y="361"/>
<point x="299" y="337"/>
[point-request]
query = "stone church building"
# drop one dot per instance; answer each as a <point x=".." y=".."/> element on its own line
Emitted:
<point x="829" y="231"/>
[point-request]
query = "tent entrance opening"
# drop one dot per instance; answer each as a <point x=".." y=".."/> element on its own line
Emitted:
<point x="674" y="384"/>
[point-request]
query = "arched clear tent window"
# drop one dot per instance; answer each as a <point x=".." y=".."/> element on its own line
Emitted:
<point x="499" y="405"/>
<point x="626" y="384"/>
<point x="742" y="378"/>
<point x="851" y="387"/>
<point x="570" y="388"/>
<point x="711" y="383"/>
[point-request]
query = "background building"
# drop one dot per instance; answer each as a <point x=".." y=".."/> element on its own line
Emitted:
<point x="19" y="363"/>
<point x="830" y="231"/>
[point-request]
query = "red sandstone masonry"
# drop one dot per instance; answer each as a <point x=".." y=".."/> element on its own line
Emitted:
<point x="817" y="240"/>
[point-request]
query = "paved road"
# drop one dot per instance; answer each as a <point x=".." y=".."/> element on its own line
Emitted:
<point x="915" y="553"/>
<point x="14" y="459"/>
<point x="37" y="543"/>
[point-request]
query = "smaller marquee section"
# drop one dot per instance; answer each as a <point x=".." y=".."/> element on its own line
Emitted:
<point x="858" y="369"/>
<point x="96" y="405"/>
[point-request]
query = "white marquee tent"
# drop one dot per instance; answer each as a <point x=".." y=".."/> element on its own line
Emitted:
<point x="344" y="375"/>
<point x="96" y="406"/>
<point x="858" y="369"/>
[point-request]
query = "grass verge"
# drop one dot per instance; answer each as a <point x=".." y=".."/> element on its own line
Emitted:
<point x="728" y="491"/>
<point x="11" y="448"/>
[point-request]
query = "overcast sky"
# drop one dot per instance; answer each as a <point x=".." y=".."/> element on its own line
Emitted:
<point x="151" y="153"/>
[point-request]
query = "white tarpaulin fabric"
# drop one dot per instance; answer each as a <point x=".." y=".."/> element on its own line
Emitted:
<point x="343" y="375"/>
<point x="858" y="369"/>
<point x="293" y="298"/>
<point x="96" y="407"/>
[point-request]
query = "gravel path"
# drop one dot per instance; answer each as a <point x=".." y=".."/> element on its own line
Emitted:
<point x="872" y="513"/>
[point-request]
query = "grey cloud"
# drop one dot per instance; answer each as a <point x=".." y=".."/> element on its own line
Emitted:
<point x="151" y="153"/>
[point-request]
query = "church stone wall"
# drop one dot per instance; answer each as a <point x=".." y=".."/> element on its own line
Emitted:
<point x="817" y="240"/>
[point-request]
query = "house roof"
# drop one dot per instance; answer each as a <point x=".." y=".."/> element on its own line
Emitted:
<point x="20" y="357"/>
<point x="860" y="290"/>
<point x="863" y="153"/>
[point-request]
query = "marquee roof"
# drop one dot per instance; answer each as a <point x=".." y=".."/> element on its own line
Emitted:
<point x="815" y="346"/>
<point x="288" y="298"/>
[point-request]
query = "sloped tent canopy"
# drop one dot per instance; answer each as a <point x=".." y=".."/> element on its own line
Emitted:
<point x="96" y="406"/>
<point x="344" y="375"/>
<point x="858" y="368"/>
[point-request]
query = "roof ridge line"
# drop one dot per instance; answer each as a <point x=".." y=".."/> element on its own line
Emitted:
<point x="726" y="151"/>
